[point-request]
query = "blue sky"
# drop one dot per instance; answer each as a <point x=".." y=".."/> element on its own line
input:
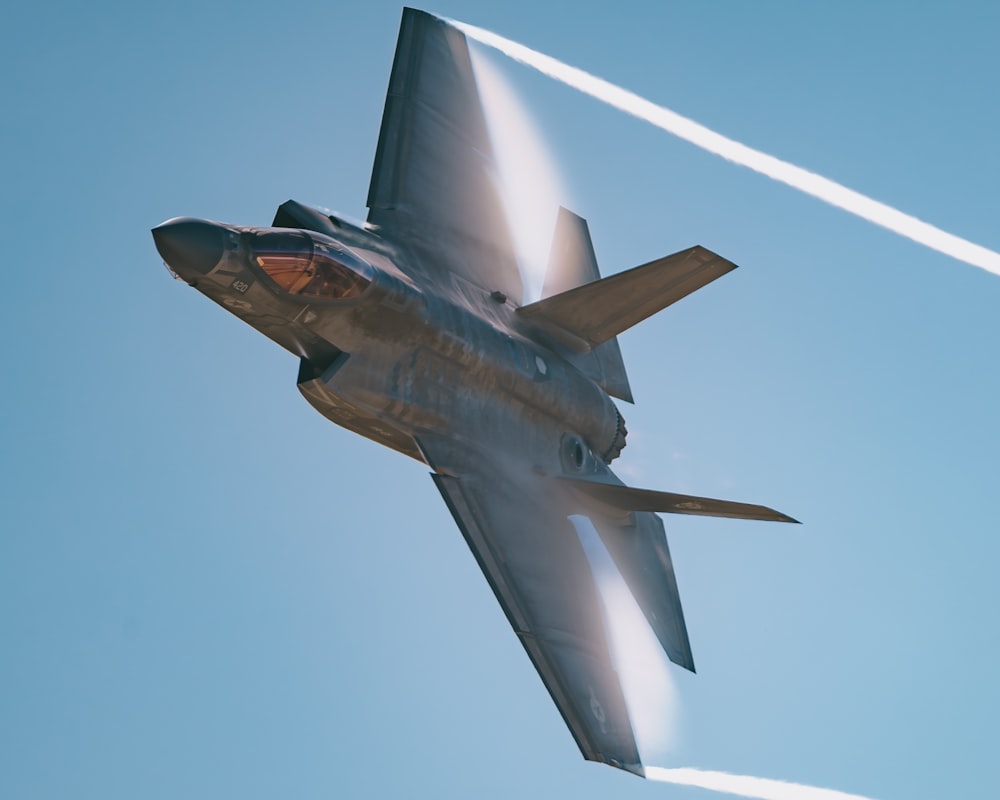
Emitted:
<point x="206" y="589"/>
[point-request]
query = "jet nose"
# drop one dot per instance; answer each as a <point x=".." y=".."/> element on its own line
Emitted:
<point x="190" y="245"/>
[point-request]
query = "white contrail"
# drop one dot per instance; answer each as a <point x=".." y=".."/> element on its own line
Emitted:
<point x="808" y="182"/>
<point x="746" y="786"/>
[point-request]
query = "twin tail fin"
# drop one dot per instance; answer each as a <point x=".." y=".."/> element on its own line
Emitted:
<point x="581" y="313"/>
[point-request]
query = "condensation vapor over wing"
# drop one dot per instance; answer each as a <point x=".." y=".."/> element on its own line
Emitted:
<point x="627" y="647"/>
<point x="812" y="184"/>
<point x="638" y="657"/>
<point x="530" y="186"/>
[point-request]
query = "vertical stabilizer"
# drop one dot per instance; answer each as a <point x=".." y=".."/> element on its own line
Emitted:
<point x="572" y="263"/>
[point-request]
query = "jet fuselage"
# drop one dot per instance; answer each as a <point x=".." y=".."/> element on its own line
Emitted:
<point x="391" y="360"/>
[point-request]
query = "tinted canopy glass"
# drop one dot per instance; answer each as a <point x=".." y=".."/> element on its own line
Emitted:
<point x="304" y="265"/>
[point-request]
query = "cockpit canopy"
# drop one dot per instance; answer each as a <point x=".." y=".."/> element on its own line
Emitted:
<point x="311" y="265"/>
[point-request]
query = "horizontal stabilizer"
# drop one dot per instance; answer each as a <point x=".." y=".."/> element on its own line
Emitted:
<point x="599" y="311"/>
<point x="627" y="498"/>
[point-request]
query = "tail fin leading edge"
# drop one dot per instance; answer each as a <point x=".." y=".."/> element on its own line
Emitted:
<point x="572" y="264"/>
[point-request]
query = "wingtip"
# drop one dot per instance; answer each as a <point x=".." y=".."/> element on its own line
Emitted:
<point x="634" y="768"/>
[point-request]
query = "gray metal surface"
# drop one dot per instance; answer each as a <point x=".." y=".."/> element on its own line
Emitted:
<point x="628" y="498"/>
<point x="433" y="186"/>
<point x="408" y="332"/>
<point x="599" y="311"/>
<point x="572" y="263"/>
<point x="537" y="567"/>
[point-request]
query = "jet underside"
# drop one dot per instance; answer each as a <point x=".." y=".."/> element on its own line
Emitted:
<point x="410" y="331"/>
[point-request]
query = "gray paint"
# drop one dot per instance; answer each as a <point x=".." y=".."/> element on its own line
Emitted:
<point x="414" y="338"/>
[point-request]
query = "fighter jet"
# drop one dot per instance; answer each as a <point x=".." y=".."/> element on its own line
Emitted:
<point x="410" y="330"/>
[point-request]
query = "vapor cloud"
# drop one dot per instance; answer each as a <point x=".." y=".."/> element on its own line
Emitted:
<point x="746" y="786"/>
<point x="631" y="652"/>
<point x="530" y="187"/>
<point x="651" y="697"/>
<point x="796" y="177"/>
<point x="639" y="660"/>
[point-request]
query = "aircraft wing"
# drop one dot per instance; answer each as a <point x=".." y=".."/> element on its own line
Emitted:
<point x="517" y="527"/>
<point x="434" y="187"/>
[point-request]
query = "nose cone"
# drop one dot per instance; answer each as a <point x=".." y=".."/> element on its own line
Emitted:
<point x="190" y="246"/>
